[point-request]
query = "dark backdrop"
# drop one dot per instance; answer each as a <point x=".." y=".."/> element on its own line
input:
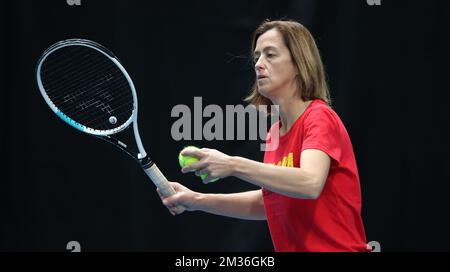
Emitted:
<point x="388" y="71"/>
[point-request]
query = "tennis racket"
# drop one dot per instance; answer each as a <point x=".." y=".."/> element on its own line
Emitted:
<point x="89" y="89"/>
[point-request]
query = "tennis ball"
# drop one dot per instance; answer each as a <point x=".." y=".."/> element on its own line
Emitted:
<point x="188" y="160"/>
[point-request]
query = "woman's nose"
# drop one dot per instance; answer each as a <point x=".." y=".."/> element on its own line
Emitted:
<point x="259" y="65"/>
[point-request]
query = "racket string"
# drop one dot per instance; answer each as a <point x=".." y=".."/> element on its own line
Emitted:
<point x="74" y="75"/>
<point x="88" y="87"/>
<point x="114" y="105"/>
<point x="84" y="94"/>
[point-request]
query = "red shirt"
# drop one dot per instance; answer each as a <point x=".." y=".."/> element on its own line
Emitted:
<point x="332" y="222"/>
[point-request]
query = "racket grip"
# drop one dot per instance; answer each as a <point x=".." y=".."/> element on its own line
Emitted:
<point x="159" y="180"/>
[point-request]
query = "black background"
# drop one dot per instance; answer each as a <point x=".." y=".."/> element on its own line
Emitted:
<point x="388" y="71"/>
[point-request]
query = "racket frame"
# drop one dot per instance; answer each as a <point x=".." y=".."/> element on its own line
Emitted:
<point x="133" y="118"/>
<point x="144" y="160"/>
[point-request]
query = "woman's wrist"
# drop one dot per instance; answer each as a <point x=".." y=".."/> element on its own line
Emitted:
<point x="200" y="202"/>
<point x="234" y="166"/>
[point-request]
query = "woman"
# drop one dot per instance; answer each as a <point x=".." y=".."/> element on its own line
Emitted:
<point x="310" y="192"/>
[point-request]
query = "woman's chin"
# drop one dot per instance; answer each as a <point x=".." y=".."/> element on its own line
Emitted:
<point x="265" y="92"/>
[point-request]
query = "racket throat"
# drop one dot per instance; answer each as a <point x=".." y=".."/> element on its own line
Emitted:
<point x="146" y="162"/>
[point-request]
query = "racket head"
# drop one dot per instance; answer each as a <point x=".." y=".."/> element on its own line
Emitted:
<point x="87" y="87"/>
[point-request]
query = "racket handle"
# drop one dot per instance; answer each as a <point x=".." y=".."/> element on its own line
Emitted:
<point x="159" y="180"/>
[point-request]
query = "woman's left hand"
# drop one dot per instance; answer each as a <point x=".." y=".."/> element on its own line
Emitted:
<point x="211" y="161"/>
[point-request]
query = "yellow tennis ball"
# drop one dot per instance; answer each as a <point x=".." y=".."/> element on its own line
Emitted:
<point x="188" y="160"/>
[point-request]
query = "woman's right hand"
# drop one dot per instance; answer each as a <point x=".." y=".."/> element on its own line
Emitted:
<point x="183" y="199"/>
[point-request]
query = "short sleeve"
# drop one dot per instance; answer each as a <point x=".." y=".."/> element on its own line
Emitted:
<point x="322" y="131"/>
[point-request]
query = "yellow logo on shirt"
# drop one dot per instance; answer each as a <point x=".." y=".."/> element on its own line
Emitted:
<point x="287" y="161"/>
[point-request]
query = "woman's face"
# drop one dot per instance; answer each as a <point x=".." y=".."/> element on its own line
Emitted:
<point x="275" y="71"/>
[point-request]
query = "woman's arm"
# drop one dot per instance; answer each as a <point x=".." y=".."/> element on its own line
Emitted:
<point x="246" y="205"/>
<point x="305" y="182"/>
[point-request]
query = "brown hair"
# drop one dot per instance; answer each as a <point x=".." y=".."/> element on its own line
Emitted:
<point x="305" y="56"/>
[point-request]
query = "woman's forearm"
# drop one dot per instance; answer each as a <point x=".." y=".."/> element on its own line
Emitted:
<point x="246" y="205"/>
<point x="293" y="182"/>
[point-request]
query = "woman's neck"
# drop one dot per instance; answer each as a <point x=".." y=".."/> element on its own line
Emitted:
<point x="290" y="111"/>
